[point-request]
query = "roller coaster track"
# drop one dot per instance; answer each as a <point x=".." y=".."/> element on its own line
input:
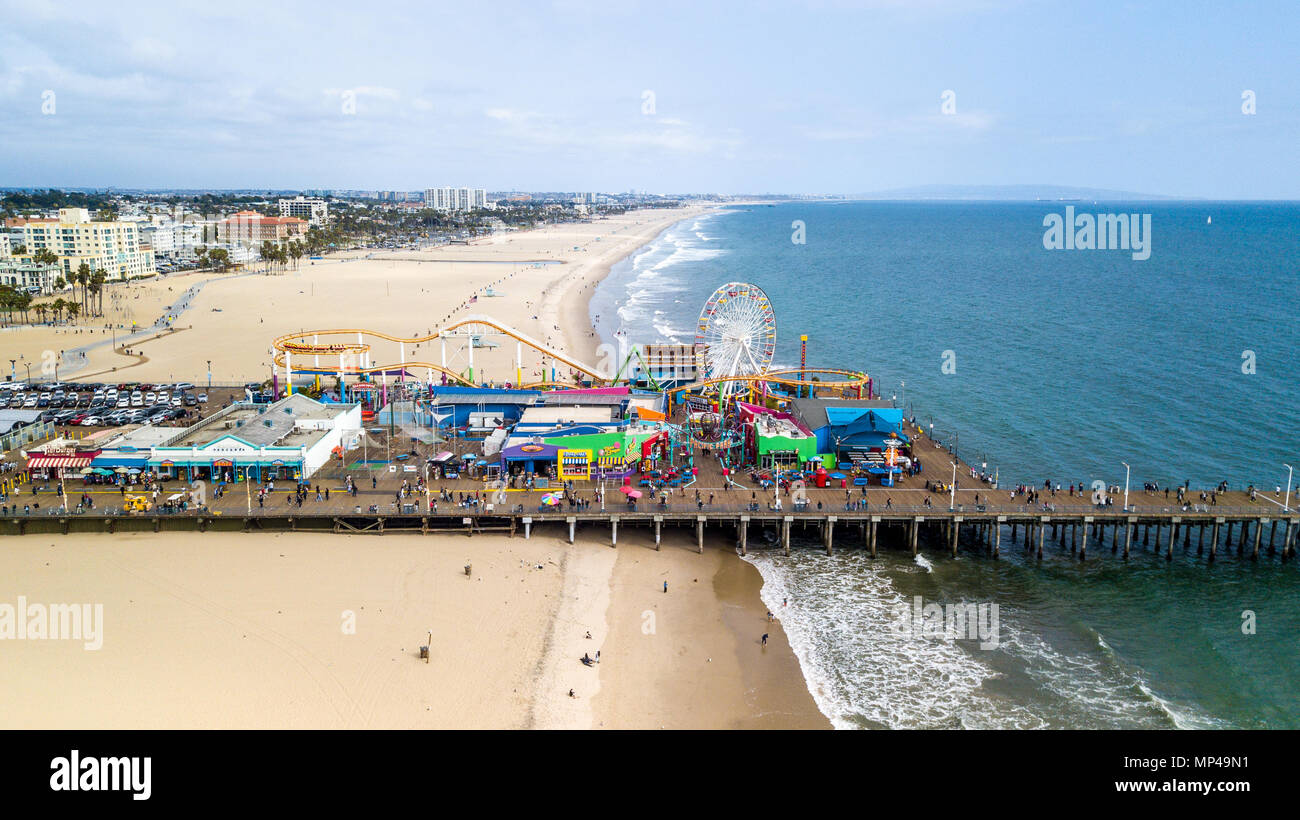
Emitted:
<point x="295" y="345"/>
<point x="853" y="380"/>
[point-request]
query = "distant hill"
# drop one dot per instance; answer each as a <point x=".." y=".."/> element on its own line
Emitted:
<point x="1022" y="193"/>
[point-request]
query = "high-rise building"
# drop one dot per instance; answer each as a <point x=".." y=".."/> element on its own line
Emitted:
<point x="316" y="211"/>
<point x="456" y="199"/>
<point x="112" y="247"/>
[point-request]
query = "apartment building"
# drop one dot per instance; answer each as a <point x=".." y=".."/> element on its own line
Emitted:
<point x="456" y="199"/>
<point x="115" y="247"/>
<point x="316" y="211"/>
<point x="252" y="228"/>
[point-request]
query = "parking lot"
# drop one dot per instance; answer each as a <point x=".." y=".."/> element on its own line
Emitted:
<point x="77" y="405"/>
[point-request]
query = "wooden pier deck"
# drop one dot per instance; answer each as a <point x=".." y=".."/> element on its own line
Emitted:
<point x="911" y="529"/>
<point x="977" y="518"/>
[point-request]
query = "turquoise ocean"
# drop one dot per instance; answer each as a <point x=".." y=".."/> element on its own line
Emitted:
<point x="1067" y="363"/>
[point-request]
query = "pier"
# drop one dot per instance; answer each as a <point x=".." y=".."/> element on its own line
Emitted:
<point x="1246" y="534"/>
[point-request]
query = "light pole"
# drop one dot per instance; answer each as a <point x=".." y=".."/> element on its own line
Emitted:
<point x="1126" y="473"/>
<point x="1287" y="507"/>
<point x="952" y="488"/>
<point x="209" y="374"/>
<point x="13" y="369"/>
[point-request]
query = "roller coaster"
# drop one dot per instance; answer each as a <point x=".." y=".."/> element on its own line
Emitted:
<point x="354" y="356"/>
<point x="812" y="379"/>
<point x="738" y="314"/>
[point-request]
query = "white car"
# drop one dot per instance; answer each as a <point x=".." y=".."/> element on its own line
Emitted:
<point x="151" y="397"/>
<point x="30" y="401"/>
<point x="177" y="401"/>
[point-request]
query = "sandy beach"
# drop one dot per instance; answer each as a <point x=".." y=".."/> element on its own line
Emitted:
<point x="302" y="631"/>
<point x="541" y="276"/>
<point x="298" y="631"/>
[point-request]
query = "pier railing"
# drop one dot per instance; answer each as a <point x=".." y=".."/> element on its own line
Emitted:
<point x="416" y="507"/>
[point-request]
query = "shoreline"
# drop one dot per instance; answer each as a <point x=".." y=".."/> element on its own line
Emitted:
<point x="774" y="694"/>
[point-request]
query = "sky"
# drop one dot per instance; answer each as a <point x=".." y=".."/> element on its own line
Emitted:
<point x="832" y="97"/>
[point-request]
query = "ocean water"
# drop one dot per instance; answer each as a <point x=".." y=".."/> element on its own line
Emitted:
<point x="1067" y="363"/>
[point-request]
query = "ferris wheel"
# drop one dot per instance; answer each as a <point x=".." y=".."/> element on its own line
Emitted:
<point x="738" y="330"/>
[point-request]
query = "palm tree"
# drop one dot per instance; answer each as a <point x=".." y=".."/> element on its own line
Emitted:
<point x="296" y="251"/>
<point x="83" y="279"/>
<point x="267" y="252"/>
<point x="46" y="257"/>
<point x="73" y="310"/>
<point x="41" y="310"/>
<point x="8" y="300"/>
<point x="98" y="278"/>
<point x="58" y="307"/>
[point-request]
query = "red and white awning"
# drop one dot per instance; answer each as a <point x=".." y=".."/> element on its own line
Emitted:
<point x="46" y="462"/>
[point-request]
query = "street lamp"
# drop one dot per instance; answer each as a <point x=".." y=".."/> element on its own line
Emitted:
<point x="952" y="488"/>
<point x="1289" y="471"/>
<point x="1126" y="473"/>
<point x="209" y="374"/>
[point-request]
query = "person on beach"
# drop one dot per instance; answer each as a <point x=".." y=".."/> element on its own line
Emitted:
<point x="764" y="639"/>
<point x="665" y="587"/>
